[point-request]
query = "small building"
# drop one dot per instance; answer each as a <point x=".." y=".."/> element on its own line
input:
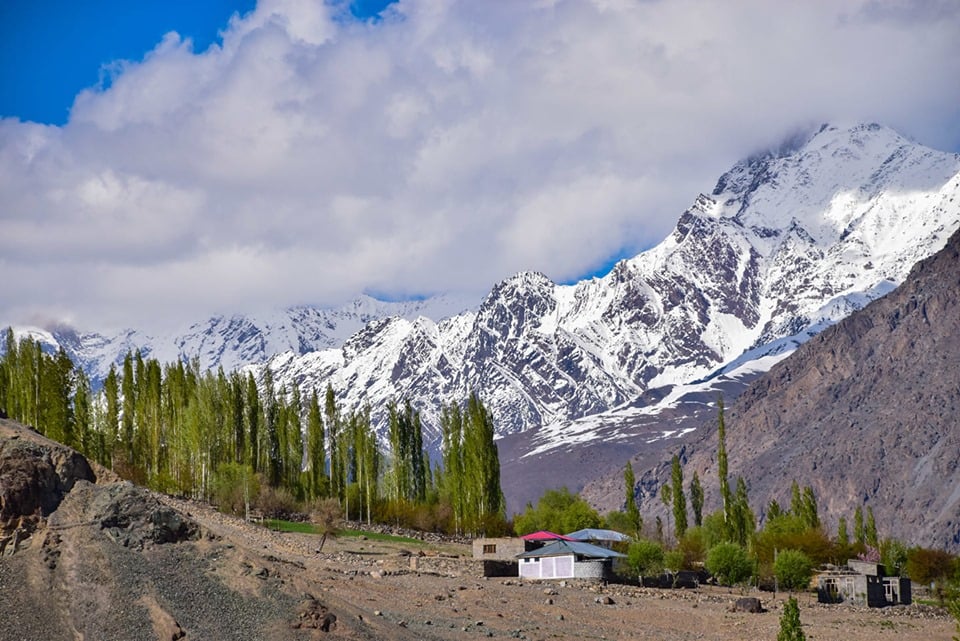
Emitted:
<point x="847" y="586"/>
<point x="499" y="549"/>
<point x="499" y="555"/>
<point x="864" y="584"/>
<point x="897" y="590"/>
<point x="568" y="560"/>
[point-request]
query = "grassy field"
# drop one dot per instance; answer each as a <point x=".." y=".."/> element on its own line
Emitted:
<point x="308" y="528"/>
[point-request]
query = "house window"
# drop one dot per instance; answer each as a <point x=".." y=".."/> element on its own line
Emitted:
<point x="490" y="548"/>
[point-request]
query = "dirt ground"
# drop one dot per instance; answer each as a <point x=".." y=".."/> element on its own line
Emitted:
<point x="372" y="590"/>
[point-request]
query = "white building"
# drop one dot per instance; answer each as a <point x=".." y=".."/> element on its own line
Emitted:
<point x="567" y="560"/>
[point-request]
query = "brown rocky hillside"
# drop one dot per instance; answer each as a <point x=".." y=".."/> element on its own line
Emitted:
<point x="86" y="556"/>
<point x="867" y="413"/>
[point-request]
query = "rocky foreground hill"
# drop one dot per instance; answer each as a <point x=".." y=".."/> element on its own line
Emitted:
<point x="867" y="413"/>
<point x="85" y="556"/>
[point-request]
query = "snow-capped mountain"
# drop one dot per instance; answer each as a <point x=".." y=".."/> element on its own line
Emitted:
<point x="240" y="340"/>
<point x="788" y="242"/>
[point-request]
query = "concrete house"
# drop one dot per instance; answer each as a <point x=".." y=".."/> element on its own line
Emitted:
<point x="863" y="583"/>
<point x="499" y="555"/>
<point x="568" y="560"/>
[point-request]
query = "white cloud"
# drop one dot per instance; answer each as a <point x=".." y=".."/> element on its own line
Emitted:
<point x="308" y="158"/>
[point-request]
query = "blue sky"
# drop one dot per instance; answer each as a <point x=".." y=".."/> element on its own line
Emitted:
<point x="52" y="49"/>
<point x="419" y="147"/>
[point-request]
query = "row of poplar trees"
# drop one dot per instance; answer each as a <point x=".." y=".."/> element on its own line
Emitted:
<point x="175" y="428"/>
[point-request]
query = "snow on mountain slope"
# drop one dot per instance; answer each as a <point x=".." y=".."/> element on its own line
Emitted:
<point x="787" y="243"/>
<point x="237" y="341"/>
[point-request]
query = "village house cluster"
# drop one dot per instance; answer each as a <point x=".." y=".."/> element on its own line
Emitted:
<point x="590" y="554"/>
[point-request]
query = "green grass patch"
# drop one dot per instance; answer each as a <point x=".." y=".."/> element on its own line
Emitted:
<point x="279" y="525"/>
<point x="376" y="536"/>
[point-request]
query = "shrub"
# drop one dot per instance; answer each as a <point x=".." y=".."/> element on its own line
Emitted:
<point x="793" y="569"/>
<point x="326" y="515"/>
<point x="645" y="557"/>
<point x="233" y="485"/>
<point x="729" y="563"/>
<point x="276" y="502"/>
<point x="790" y="627"/>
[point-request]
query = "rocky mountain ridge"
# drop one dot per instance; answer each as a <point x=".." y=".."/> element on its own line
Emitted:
<point x="787" y="243"/>
<point x="239" y="340"/>
<point x="865" y="413"/>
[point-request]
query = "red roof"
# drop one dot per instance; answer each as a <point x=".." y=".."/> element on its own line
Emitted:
<point x="543" y="535"/>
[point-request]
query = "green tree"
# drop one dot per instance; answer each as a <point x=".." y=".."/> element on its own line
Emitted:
<point x="481" y="467"/>
<point x="316" y="455"/>
<point x="83" y="416"/>
<point x="666" y="497"/>
<point x="859" y="531"/>
<point x="645" y="557"/>
<point x="870" y="530"/>
<point x="333" y="423"/>
<point x="679" y="499"/>
<point x="790" y="627"/>
<point x="235" y="487"/>
<point x="111" y="392"/>
<point x="558" y="511"/>
<point x="271" y="413"/>
<point x="741" y="523"/>
<point x="127" y="386"/>
<point x="368" y="462"/>
<point x="696" y="499"/>
<point x="893" y="555"/>
<point x="843" y="537"/>
<point x="729" y="563"/>
<point x="722" y="464"/>
<point x="793" y="569"/>
<point x="253" y="420"/>
<point x="238" y="418"/>
<point x="451" y="426"/>
<point x="630" y="501"/>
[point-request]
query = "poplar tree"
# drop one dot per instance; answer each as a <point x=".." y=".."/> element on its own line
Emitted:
<point x="253" y="414"/>
<point x="332" y="415"/>
<point x="367" y="462"/>
<point x="129" y="399"/>
<point x="484" y="497"/>
<point x="633" y="512"/>
<point x="83" y="416"/>
<point x="696" y="499"/>
<point x="742" y="522"/>
<point x="237" y="418"/>
<point x="859" y="532"/>
<point x="722" y="463"/>
<point x="271" y="412"/>
<point x="679" y="500"/>
<point x="316" y="458"/>
<point x="843" y="538"/>
<point x="870" y="531"/>
<point x="111" y="392"/>
<point x="451" y="425"/>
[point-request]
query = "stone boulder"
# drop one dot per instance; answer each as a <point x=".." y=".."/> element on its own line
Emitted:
<point x="747" y="604"/>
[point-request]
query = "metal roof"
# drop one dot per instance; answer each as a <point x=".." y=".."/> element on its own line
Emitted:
<point x="563" y="548"/>
<point x="593" y="534"/>
<point x="544" y="535"/>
